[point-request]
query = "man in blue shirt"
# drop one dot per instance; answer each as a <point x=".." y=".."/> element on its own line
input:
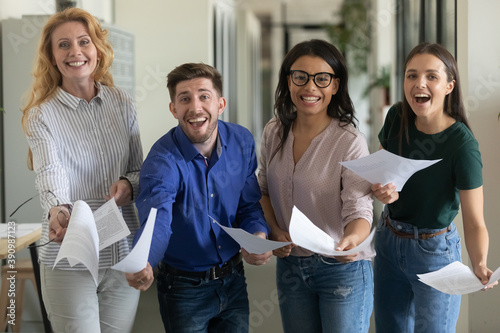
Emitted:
<point x="200" y="171"/>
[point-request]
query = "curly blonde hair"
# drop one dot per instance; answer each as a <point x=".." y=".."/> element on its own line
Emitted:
<point x="47" y="77"/>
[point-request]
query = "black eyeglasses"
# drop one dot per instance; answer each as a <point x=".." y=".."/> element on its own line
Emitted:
<point x="46" y="194"/>
<point x="322" y="79"/>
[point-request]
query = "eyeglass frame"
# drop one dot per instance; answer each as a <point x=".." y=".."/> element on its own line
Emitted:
<point x="332" y="76"/>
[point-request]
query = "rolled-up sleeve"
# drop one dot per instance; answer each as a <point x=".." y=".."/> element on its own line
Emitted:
<point x="356" y="192"/>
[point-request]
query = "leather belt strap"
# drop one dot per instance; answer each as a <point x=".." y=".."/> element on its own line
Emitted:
<point x="213" y="273"/>
<point x="420" y="236"/>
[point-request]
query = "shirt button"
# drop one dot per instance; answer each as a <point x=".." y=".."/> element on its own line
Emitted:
<point x="211" y="195"/>
<point x="220" y="247"/>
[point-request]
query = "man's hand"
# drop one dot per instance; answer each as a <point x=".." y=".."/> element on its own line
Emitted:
<point x="141" y="280"/>
<point x="257" y="259"/>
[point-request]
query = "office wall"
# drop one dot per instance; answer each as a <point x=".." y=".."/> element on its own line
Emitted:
<point x="171" y="33"/>
<point x="479" y="65"/>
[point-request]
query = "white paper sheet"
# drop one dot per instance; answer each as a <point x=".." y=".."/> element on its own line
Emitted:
<point x="81" y="242"/>
<point x="251" y="243"/>
<point x="110" y="224"/>
<point x="307" y="235"/>
<point x="137" y="259"/>
<point x="384" y="167"/>
<point x="456" y="278"/>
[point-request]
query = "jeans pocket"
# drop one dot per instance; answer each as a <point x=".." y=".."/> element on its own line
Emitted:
<point x="168" y="282"/>
<point x="441" y="244"/>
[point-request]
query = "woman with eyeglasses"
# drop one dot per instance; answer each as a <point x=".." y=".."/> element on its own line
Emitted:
<point x="84" y="138"/>
<point x="314" y="129"/>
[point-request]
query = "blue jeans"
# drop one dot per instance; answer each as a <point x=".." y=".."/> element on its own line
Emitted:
<point x="319" y="294"/>
<point x="402" y="303"/>
<point x="189" y="304"/>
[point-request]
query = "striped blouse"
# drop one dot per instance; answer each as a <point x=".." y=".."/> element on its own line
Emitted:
<point x="79" y="150"/>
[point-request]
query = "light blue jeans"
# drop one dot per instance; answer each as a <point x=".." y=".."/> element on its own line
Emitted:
<point x="319" y="294"/>
<point x="76" y="305"/>
<point x="402" y="303"/>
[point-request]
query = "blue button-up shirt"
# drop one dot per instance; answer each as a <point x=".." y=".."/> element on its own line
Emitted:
<point x="176" y="180"/>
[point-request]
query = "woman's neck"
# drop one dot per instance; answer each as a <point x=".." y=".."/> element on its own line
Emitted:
<point x="310" y="126"/>
<point x="81" y="89"/>
<point x="434" y="125"/>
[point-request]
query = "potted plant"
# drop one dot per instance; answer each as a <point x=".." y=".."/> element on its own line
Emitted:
<point x="381" y="80"/>
<point x="352" y="36"/>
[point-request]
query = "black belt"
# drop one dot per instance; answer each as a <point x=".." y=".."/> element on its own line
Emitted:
<point x="213" y="273"/>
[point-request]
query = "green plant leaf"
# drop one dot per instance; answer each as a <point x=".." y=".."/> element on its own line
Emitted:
<point x="382" y="80"/>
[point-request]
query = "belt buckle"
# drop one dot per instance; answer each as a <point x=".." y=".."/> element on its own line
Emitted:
<point x="427" y="236"/>
<point x="213" y="274"/>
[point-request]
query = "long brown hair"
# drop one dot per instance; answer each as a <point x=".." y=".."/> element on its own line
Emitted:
<point x="453" y="102"/>
<point x="47" y="77"/>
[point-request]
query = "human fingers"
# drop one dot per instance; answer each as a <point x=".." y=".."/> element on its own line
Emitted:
<point x="141" y="280"/>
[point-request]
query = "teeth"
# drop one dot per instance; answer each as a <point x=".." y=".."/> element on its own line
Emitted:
<point x="421" y="95"/>
<point x="197" y="120"/>
<point x="310" y="99"/>
<point x="76" y="64"/>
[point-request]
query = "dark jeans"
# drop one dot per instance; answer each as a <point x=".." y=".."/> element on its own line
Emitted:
<point x="191" y="304"/>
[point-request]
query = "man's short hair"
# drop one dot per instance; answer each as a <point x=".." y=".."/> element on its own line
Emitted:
<point x="191" y="71"/>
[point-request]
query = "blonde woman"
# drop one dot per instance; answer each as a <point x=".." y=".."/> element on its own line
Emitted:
<point x="84" y="145"/>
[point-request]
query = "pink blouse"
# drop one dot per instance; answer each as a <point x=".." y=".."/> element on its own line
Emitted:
<point x="330" y="195"/>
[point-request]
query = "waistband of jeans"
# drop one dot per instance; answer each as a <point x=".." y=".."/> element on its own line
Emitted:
<point x="212" y="273"/>
<point x="416" y="234"/>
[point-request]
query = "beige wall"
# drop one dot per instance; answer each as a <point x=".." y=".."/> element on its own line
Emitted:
<point x="171" y="33"/>
<point x="479" y="62"/>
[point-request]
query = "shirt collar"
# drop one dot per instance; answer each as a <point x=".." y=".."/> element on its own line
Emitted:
<point x="189" y="151"/>
<point x="72" y="101"/>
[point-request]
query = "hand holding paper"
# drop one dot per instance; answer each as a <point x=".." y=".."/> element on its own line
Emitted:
<point x="384" y="167"/>
<point x="456" y="278"/>
<point x="251" y="243"/>
<point x="88" y="233"/>
<point x="307" y="235"/>
<point x="137" y="259"/>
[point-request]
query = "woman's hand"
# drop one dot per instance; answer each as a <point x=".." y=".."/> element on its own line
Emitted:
<point x="121" y="190"/>
<point x="141" y="280"/>
<point x="347" y="243"/>
<point x="483" y="273"/>
<point x="355" y="233"/>
<point x="281" y="236"/>
<point x="58" y="223"/>
<point x="385" y="194"/>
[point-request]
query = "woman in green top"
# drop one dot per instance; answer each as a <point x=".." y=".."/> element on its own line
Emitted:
<point x="417" y="234"/>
